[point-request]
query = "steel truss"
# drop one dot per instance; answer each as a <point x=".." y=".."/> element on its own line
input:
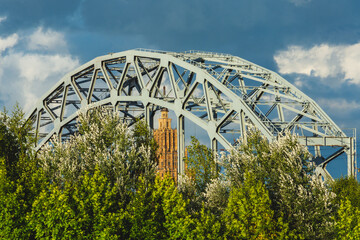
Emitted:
<point x="221" y="93"/>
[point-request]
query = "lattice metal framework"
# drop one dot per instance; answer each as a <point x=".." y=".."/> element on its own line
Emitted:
<point x="221" y="93"/>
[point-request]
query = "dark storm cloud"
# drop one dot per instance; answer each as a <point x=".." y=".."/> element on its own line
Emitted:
<point x="195" y="22"/>
<point x="237" y="27"/>
<point x="218" y="19"/>
<point x="181" y="20"/>
<point x="253" y="29"/>
<point x="22" y="14"/>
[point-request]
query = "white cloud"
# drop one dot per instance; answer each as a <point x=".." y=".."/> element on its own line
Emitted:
<point x="3" y="18"/>
<point x="299" y="2"/>
<point x="26" y="77"/>
<point x="37" y="67"/>
<point x="337" y="105"/>
<point x="46" y="40"/>
<point x="323" y="61"/>
<point x="26" y="74"/>
<point x="8" y="42"/>
<point x="350" y="63"/>
<point x="298" y="82"/>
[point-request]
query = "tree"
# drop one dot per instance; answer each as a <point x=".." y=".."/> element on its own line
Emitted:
<point x="16" y="142"/>
<point x="158" y="211"/>
<point x="347" y="200"/>
<point x="102" y="184"/>
<point x="92" y="177"/>
<point x="103" y="142"/>
<point x="20" y="180"/>
<point x="248" y="214"/>
<point x="216" y="195"/>
<point x="284" y="168"/>
<point x="348" y="188"/>
<point x="208" y="225"/>
<point x="88" y="209"/>
<point x="201" y="166"/>
<point x="201" y="170"/>
<point x="347" y="221"/>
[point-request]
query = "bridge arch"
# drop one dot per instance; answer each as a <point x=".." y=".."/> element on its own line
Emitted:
<point x="220" y="93"/>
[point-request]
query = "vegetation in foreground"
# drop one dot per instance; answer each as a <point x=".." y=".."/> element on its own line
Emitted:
<point x="102" y="184"/>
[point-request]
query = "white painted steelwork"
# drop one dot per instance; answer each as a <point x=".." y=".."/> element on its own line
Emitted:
<point x="223" y="94"/>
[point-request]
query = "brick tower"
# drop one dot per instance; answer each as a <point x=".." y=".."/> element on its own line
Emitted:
<point x="166" y="138"/>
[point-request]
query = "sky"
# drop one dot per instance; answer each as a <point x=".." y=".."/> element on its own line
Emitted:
<point x="314" y="44"/>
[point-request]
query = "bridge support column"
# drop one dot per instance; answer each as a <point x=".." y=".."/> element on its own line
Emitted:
<point x="214" y="146"/>
<point x="181" y="145"/>
<point x="242" y="125"/>
<point x="149" y="116"/>
<point x="350" y="153"/>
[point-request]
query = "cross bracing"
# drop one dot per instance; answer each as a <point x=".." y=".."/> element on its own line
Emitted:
<point x="223" y="94"/>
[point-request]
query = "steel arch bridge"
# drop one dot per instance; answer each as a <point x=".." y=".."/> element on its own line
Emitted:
<point x="220" y="93"/>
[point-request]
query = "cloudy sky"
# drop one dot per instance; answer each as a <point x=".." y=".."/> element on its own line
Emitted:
<point x="315" y="44"/>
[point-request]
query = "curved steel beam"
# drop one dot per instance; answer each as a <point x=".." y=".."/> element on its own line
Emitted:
<point x="223" y="94"/>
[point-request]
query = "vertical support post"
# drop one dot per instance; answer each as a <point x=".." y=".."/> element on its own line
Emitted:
<point x="280" y="113"/>
<point x="317" y="151"/>
<point x="242" y="125"/>
<point x="317" y="148"/>
<point x="278" y="106"/>
<point x="149" y="118"/>
<point x="350" y="159"/>
<point x="355" y="154"/>
<point x="180" y="145"/>
<point x="214" y="148"/>
<point x="214" y="142"/>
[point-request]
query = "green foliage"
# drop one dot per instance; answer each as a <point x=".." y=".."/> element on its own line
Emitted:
<point x="347" y="188"/>
<point x="104" y="143"/>
<point x="20" y="180"/>
<point x="248" y="214"/>
<point x="52" y="216"/>
<point x="88" y="209"/>
<point x="104" y="181"/>
<point x="144" y="137"/>
<point x="295" y="193"/>
<point x="216" y="195"/>
<point x="158" y="211"/>
<point x="15" y="142"/>
<point x="201" y="165"/>
<point x="347" y="223"/>
<point x="208" y="225"/>
<point x="16" y="198"/>
<point x="102" y="184"/>
<point x="201" y="170"/>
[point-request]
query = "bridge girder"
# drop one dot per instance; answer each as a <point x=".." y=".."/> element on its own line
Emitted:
<point x="220" y="93"/>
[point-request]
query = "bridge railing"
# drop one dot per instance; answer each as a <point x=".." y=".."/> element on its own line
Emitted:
<point x="151" y="50"/>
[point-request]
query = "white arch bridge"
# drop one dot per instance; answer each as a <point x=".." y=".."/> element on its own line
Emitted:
<point x="220" y="93"/>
